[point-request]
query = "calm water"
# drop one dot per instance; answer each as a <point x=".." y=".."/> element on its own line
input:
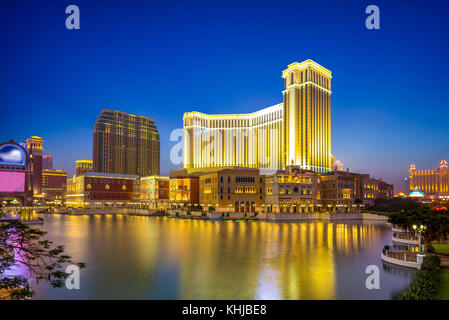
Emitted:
<point x="164" y="258"/>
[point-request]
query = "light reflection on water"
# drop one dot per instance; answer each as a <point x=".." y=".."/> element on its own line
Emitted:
<point x="164" y="258"/>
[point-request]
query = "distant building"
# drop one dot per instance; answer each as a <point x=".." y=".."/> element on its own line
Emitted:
<point x="47" y="162"/>
<point x="83" y="166"/>
<point x="433" y="182"/>
<point x="35" y="147"/>
<point x="154" y="191"/>
<point x="97" y="189"/>
<point x="53" y="184"/>
<point x="292" y="191"/>
<point x="125" y="144"/>
<point x="232" y="190"/>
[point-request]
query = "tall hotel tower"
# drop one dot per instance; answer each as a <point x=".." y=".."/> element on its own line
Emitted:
<point x="35" y="147"/>
<point x="125" y="144"/>
<point x="297" y="131"/>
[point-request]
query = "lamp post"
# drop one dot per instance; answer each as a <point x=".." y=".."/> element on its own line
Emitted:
<point x="420" y="231"/>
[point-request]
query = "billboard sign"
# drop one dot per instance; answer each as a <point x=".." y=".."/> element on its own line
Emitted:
<point x="416" y="193"/>
<point x="11" y="182"/>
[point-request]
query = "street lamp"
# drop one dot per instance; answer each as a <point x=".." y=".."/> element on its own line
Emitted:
<point x="420" y="232"/>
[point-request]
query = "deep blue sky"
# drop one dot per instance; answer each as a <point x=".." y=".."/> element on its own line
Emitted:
<point x="161" y="59"/>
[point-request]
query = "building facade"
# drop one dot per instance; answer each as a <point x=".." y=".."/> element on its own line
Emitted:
<point x="154" y="191"/>
<point x="433" y="182"/>
<point x="367" y="189"/>
<point x="386" y="190"/>
<point x="83" y="166"/>
<point x="98" y="189"/>
<point x="125" y="144"/>
<point x="53" y="184"/>
<point x="295" y="132"/>
<point x="184" y="191"/>
<point x="35" y="147"/>
<point x="232" y="190"/>
<point x="337" y="192"/>
<point x="292" y="190"/>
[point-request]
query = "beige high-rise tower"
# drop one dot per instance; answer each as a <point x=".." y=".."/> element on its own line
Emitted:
<point x="307" y="116"/>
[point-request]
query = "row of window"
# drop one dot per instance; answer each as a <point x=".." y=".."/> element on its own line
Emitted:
<point x="106" y="187"/>
<point x="233" y="123"/>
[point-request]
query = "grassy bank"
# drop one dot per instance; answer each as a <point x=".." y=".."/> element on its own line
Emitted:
<point x="424" y="285"/>
<point x="443" y="292"/>
<point x="441" y="248"/>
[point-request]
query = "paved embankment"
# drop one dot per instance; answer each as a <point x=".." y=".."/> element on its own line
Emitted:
<point x="275" y="216"/>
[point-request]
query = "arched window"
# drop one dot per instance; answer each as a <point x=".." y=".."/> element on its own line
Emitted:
<point x="106" y="187"/>
<point x="89" y="186"/>
<point x="124" y="187"/>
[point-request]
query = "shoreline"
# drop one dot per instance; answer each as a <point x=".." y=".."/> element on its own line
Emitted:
<point x="231" y="216"/>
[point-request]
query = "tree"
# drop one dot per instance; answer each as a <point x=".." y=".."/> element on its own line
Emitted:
<point x="26" y="247"/>
<point x="436" y="224"/>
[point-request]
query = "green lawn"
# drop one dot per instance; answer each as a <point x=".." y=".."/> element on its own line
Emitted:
<point x="441" y="248"/>
<point x="443" y="292"/>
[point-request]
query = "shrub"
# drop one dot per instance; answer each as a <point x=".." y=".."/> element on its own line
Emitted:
<point x="424" y="285"/>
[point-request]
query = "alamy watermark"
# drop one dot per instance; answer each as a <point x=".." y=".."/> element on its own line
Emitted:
<point x="373" y="20"/>
<point x="373" y="280"/>
<point x="73" y="20"/>
<point x="72" y="282"/>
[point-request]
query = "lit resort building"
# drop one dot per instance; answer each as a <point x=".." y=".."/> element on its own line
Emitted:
<point x="295" y="132"/>
<point x="433" y="182"/>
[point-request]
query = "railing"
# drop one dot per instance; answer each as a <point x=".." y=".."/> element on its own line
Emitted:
<point x="404" y="236"/>
<point x="397" y="228"/>
<point x="400" y="254"/>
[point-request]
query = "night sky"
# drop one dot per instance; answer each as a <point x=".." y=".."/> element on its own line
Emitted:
<point x="161" y="59"/>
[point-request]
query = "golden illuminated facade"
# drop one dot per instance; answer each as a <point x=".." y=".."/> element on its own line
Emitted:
<point x="83" y="166"/>
<point x="232" y="190"/>
<point x="154" y="191"/>
<point x="248" y="140"/>
<point x="431" y="182"/>
<point x="184" y="191"/>
<point x="292" y="190"/>
<point x="296" y="131"/>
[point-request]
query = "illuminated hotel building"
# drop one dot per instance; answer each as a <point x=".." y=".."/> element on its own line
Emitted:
<point x="431" y="182"/>
<point x="295" y="132"/>
<point x="125" y="144"/>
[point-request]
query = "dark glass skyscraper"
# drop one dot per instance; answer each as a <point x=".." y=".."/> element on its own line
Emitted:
<point x="125" y="144"/>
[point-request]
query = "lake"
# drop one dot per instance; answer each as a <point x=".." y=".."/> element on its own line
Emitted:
<point x="166" y="258"/>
